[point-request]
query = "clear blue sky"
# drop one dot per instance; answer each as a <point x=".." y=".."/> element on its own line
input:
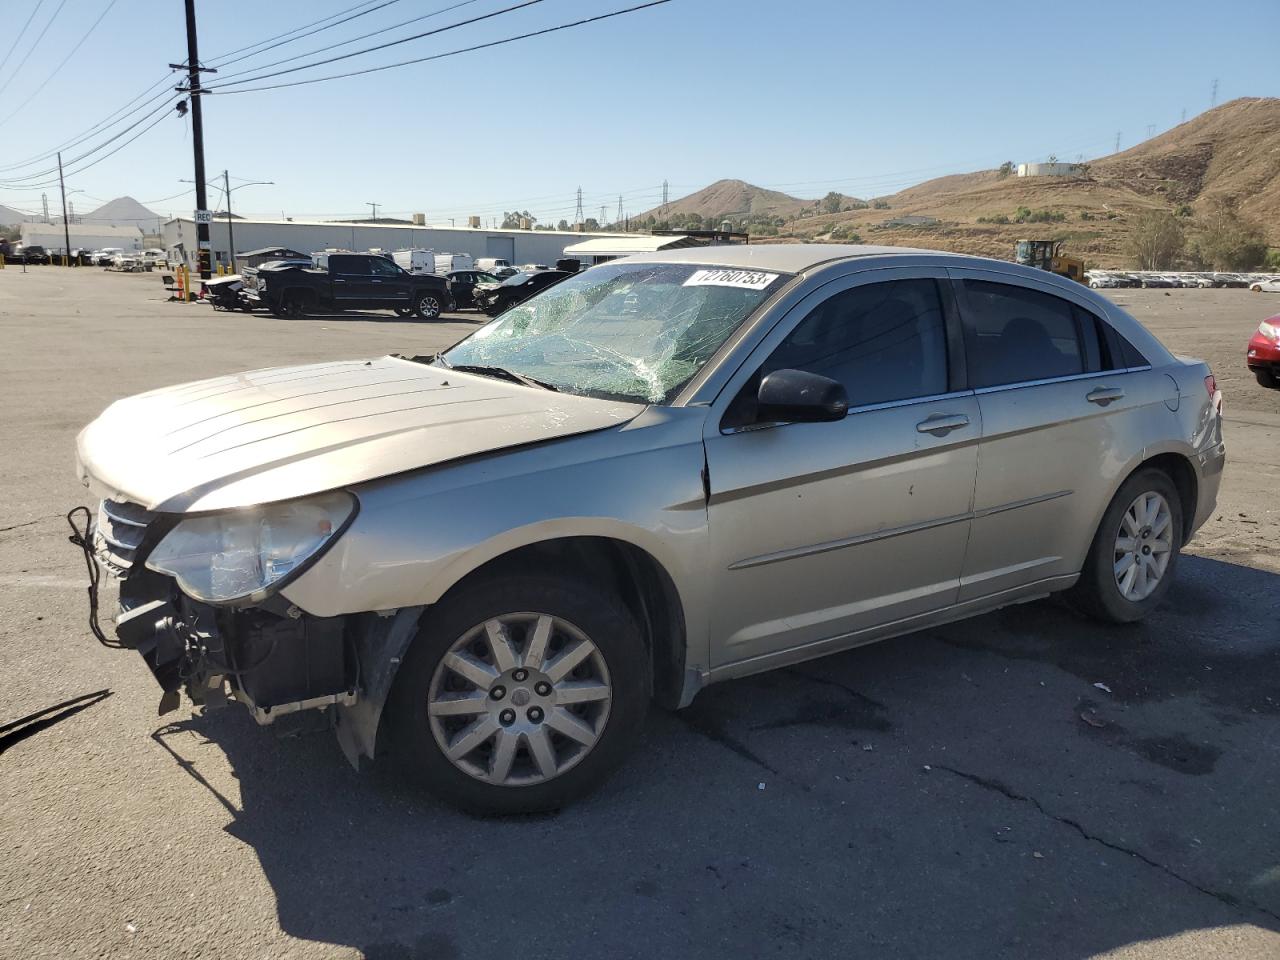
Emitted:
<point x="803" y="96"/>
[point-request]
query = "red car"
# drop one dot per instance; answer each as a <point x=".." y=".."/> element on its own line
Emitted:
<point x="1263" y="356"/>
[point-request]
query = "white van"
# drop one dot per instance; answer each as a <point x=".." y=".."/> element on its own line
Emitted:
<point x="449" y="262"/>
<point x="415" y="261"/>
<point x="492" y="264"/>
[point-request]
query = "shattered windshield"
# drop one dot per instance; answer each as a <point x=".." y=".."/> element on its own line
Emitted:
<point x="629" y="331"/>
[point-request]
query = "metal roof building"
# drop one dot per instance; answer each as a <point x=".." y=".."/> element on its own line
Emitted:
<point x="603" y="249"/>
<point x="84" y="236"/>
<point x="517" y="246"/>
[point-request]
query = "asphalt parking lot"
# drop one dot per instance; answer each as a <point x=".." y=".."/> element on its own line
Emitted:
<point x="1026" y="784"/>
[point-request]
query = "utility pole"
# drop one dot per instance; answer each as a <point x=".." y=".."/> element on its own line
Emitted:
<point x="66" y="229"/>
<point x="231" y="233"/>
<point x="194" y="70"/>
<point x="1151" y="130"/>
<point x="1117" y="141"/>
<point x="1213" y="97"/>
<point x="374" y="207"/>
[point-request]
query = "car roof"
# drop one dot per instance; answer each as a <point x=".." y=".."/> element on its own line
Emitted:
<point x="783" y="257"/>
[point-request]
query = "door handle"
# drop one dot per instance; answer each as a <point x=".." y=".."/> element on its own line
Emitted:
<point x="376" y="281"/>
<point x="338" y="280"/>
<point x="1104" y="395"/>
<point x="940" y="424"/>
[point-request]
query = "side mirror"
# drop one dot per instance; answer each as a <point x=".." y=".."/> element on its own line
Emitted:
<point x="797" y="396"/>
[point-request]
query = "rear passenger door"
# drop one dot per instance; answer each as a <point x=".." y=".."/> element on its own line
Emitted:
<point x="1063" y="401"/>
<point x="350" y="279"/>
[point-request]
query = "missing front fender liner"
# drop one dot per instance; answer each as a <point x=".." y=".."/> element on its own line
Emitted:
<point x="380" y="646"/>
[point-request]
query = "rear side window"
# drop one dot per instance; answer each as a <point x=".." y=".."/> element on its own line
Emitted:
<point x="883" y="341"/>
<point x="1015" y="335"/>
<point x="349" y="265"/>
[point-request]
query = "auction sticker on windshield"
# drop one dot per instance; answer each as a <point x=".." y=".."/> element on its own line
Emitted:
<point x="746" y="279"/>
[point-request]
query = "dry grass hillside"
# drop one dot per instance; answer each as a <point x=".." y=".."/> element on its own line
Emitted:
<point x="1230" y="151"/>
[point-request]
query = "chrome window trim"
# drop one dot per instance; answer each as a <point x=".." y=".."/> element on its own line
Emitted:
<point x="1001" y="387"/>
<point x="720" y="386"/>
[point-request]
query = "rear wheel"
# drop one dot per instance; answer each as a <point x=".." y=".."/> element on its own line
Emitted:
<point x="520" y="695"/>
<point x="1266" y="378"/>
<point x="1134" y="554"/>
<point x="403" y="311"/>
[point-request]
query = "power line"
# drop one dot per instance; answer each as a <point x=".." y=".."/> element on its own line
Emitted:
<point x="21" y="33"/>
<point x="32" y="49"/>
<point x="440" y="56"/>
<point x="111" y="119"/>
<point x="343" y="43"/>
<point x="63" y="63"/>
<point x="381" y="46"/>
<point x="98" y="160"/>
<point x="223" y="58"/>
<point x="16" y="183"/>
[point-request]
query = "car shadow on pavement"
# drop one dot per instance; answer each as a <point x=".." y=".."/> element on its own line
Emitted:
<point x="1027" y="783"/>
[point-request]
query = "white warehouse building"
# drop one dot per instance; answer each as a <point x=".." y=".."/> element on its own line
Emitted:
<point x="84" y="236"/>
<point x="310" y="236"/>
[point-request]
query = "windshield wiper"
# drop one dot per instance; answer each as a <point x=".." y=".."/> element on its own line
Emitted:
<point x="500" y="372"/>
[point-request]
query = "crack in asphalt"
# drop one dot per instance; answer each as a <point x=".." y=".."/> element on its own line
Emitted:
<point x="29" y="523"/>
<point x="996" y="786"/>
<point x="828" y="681"/>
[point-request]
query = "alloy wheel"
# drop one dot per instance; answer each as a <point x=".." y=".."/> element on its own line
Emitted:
<point x="1143" y="546"/>
<point x="519" y="699"/>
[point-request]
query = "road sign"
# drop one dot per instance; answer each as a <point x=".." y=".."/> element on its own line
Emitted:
<point x="204" y="216"/>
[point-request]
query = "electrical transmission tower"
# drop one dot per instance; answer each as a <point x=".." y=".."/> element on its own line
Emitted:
<point x="1213" y="97"/>
<point x="1151" y="130"/>
<point x="604" y="215"/>
<point x="579" y="217"/>
<point x="619" y="220"/>
<point x="666" y="196"/>
<point x="44" y="202"/>
<point x="1117" y="141"/>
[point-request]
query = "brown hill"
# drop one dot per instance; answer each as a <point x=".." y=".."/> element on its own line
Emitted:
<point x="1230" y="151"/>
<point x="733" y="198"/>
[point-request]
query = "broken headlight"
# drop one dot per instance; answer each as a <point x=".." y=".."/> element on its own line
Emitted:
<point x="239" y="554"/>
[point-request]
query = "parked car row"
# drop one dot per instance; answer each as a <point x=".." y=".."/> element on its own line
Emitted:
<point x="1108" y="279"/>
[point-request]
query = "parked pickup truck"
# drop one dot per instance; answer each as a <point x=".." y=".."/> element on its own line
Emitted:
<point x="352" y="281"/>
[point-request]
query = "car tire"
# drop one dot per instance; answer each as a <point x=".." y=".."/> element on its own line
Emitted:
<point x="403" y="311"/>
<point x="1266" y="378"/>
<point x="1107" y="589"/>
<point x="429" y="306"/>
<point x="461" y="623"/>
<point x="295" y="308"/>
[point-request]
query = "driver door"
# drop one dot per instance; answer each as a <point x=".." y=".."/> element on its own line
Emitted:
<point x="821" y="531"/>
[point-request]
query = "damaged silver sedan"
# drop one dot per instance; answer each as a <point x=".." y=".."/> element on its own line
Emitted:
<point x="663" y="472"/>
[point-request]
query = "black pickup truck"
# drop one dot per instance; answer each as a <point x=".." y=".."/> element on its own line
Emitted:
<point x="351" y="281"/>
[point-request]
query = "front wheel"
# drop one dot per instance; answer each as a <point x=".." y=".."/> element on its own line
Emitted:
<point x="429" y="306"/>
<point x="403" y="311"/>
<point x="1134" y="554"/>
<point x="520" y="695"/>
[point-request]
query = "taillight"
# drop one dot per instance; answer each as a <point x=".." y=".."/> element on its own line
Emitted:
<point x="1211" y="385"/>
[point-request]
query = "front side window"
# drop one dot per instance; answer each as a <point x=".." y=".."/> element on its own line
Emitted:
<point x="1014" y="335"/>
<point x="883" y="341"/>
<point x="383" y="268"/>
<point x="628" y="331"/>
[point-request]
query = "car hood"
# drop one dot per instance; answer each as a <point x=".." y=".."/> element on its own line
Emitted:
<point x="287" y="432"/>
